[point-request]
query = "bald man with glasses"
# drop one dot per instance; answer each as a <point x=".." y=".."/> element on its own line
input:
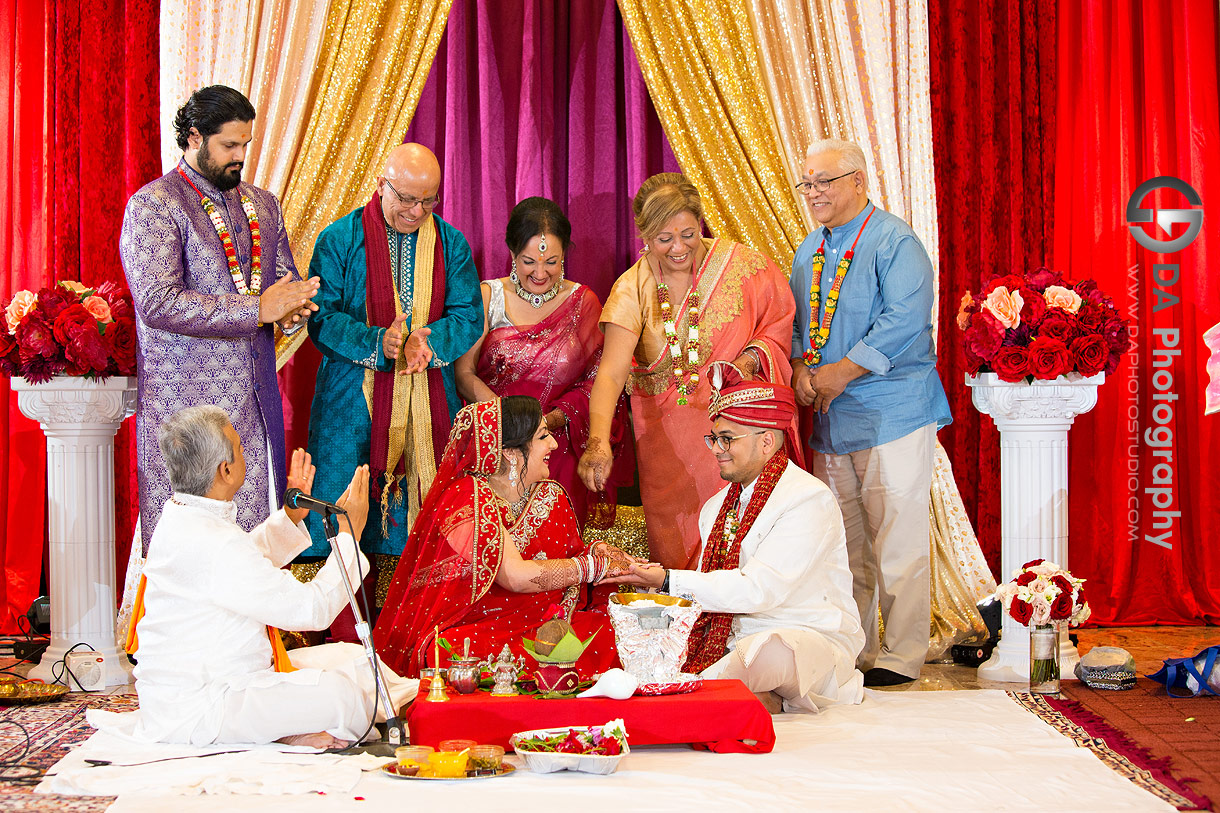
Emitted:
<point x="398" y="304"/>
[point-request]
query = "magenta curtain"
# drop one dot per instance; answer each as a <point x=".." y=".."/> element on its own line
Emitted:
<point x="542" y="97"/>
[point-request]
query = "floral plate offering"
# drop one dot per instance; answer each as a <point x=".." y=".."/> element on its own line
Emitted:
<point x="590" y="749"/>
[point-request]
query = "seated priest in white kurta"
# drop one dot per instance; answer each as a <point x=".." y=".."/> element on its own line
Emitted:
<point x="210" y="664"/>
<point x="773" y="576"/>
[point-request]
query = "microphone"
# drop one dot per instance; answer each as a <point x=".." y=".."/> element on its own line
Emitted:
<point x="295" y="498"/>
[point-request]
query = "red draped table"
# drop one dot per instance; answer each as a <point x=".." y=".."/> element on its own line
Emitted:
<point x="722" y="715"/>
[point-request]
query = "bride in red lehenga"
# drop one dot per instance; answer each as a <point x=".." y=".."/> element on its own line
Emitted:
<point x="495" y="545"/>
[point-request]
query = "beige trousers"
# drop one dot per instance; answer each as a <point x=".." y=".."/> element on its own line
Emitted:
<point x="801" y="666"/>
<point x="885" y="496"/>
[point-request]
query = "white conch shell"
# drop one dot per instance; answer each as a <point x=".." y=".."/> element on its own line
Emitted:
<point x="615" y="684"/>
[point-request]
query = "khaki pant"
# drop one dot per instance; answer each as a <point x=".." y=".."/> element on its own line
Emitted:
<point x="884" y="494"/>
<point x="801" y="666"/>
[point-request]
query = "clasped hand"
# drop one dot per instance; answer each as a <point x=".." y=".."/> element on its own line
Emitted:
<point x="412" y="344"/>
<point x="638" y="573"/>
<point x="620" y="562"/>
<point x="818" y="386"/>
<point x="288" y="302"/>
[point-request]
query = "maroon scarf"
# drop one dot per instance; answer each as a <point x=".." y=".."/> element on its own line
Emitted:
<point x="380" y="306"/>
<point x="710" y="637"/>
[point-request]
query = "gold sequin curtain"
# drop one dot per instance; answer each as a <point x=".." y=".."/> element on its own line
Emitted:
<point x="858" y="70"/>
<point x="742" y="89"/>
<point x="202" y="42"/>
<point x="375" y="60"/>
<point x="700" y="62"/>
<point x="267" y="49"/>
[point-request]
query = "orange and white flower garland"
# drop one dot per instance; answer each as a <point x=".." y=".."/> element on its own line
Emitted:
<point x="820" y="334"/>
<point x="226" y="240"/>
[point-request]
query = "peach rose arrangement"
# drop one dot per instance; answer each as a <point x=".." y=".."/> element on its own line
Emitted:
<point x="69" y="329"/>
<point x="1039" y="325"/>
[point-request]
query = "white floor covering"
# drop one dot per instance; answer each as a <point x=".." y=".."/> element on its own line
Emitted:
<point x="897" y="751"/>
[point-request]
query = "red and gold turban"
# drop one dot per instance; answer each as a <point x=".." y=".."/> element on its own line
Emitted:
<point x="751" y="403"/>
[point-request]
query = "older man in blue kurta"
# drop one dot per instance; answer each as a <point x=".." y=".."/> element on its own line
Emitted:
<point x="867" y="366"/>
<point x="399" y="303"/>
<point x="210" y="271"/>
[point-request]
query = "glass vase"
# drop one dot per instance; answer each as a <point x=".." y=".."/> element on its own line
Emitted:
<point x="1044" y="659"/>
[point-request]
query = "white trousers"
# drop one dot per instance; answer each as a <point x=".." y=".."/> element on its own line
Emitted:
<point x="801" y="666"/>
<point x="885" y="496"/>
<point x="340" y="700"/>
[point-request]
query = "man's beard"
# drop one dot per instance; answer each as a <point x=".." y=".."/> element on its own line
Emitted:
<point x="220" y="177"/>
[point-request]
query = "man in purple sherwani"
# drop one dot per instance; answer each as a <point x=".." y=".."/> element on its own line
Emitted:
<point x="211" y="273"/>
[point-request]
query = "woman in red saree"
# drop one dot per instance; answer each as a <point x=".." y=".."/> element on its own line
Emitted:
<point x="541" y="338"/>
<point x="689" y="301"/>
<point x="494" y="547"/>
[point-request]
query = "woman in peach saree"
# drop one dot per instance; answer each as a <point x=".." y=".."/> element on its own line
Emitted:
<point x="690" y="300"/>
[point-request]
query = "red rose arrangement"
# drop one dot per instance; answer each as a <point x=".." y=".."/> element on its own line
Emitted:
<point x="69" y="329"/>
<point x="1039" y="325"/>
<point x="1041" y="592"/>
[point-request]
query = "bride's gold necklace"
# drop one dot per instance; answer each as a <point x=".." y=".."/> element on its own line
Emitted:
<point x="515" y="507"/>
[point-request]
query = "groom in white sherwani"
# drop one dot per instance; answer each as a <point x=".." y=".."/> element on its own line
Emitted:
<point x="773" y="575"/>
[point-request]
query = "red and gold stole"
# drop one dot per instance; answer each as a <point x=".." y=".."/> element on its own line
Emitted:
<point x="709" y="639"/>
<point x="402" y="407"/>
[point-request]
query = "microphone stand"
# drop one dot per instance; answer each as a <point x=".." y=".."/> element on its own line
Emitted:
<point x="395" y="734"/>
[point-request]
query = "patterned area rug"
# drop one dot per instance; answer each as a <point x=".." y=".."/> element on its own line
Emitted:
<point x="1115" y="738"/>
<point x="53" y="729"/>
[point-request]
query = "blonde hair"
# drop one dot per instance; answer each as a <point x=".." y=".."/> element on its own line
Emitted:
<point x="660" y="199"/>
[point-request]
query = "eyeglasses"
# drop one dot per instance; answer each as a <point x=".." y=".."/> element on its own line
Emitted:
<point x="428" y="203"/>
<point x="723" y="442"/>
<point x="821" y="184"/>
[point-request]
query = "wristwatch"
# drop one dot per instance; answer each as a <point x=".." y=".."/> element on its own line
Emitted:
<point x="665" y="582"/>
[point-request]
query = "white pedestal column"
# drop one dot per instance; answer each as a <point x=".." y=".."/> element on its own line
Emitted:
<point x="1033" y="420"/>
<point x="80" y="418"/>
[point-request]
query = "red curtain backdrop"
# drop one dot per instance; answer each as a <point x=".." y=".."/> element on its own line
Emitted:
<point x="530" y="98"/>
<point x="23" y="238"/>
<point x="81" y="113"/>
<point x="993" y="131"/>
<point x="1140" y="101"/>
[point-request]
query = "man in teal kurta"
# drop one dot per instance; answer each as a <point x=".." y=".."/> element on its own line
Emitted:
<point x="399" y="303"/>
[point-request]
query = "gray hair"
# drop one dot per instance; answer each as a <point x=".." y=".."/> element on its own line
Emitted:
<point x="851" y="157"/>
<point x="193" y="444"/>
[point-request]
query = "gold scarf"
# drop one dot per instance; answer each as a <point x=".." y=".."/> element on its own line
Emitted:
<point x="411" y="415"/>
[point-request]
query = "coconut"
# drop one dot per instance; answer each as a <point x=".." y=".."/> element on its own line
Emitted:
<point x="550" y="634"/>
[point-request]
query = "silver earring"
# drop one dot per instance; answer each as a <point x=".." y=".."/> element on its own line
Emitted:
<point x="512" y="471"/>
<point x="513" y="274"/>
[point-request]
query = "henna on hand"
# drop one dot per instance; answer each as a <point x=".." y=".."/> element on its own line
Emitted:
<point x="554" y="574"/>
